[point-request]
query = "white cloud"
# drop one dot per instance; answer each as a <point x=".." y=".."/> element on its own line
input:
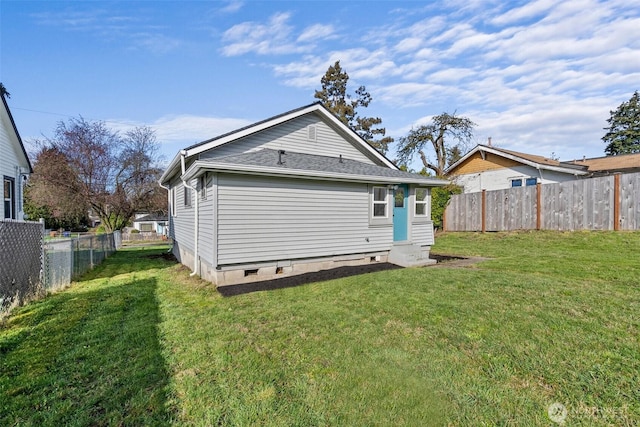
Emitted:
<point x="316" y="32"/>
<point x="232" y="6"/>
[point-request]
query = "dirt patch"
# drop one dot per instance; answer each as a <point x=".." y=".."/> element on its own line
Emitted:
<point x="451" y="261"/>
<point x="167" y="256"/>
<point x="303" y="279"/>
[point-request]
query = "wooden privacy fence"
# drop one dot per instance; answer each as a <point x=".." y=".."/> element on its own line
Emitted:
<point x="603" y="203"/>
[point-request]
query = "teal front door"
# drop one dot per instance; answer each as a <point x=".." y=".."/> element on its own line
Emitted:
<point x="400" y="213"/>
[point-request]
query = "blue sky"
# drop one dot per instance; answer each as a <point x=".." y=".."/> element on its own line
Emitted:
<point x="539" y="77"/>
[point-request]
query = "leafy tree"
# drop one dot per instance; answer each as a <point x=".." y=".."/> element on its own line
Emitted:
<point x="52" y="192"/>
<point x="441" y="127"/>
<point x="86" y="166"/>
<point x="623" y="133"/>
<point x="334" y="97"/>
<point x="439" y="199"/>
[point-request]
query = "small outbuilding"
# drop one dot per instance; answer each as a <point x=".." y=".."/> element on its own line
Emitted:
<point x="295" y="193"/>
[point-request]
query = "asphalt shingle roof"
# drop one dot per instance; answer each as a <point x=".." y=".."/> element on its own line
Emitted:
<point x="310" y="162"/>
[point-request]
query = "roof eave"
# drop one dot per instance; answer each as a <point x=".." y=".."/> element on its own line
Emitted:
<point x="198" y="167"/>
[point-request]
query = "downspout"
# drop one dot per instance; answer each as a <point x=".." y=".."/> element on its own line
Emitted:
<point x="183" y="154"/>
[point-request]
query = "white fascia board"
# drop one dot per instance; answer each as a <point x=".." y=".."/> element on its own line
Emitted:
<point x="170" y="170"/>
<point x="524" y="161"/>
<point x="199" y="167"/>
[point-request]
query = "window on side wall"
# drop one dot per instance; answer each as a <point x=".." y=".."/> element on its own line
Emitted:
<point x="422" y="200"/>
<point x="516" y="182"/>
<point x="173" y="201"/>
<point x="202" y="184"/>
<point x="187" y="196"/>
<point x="531" y="181"/>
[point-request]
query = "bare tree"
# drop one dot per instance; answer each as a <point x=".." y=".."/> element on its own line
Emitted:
<point x="113" y="176"/>
<point x="436" y="133"/>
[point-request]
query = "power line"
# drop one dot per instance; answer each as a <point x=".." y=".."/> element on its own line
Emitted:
<point x="70" y="116"/>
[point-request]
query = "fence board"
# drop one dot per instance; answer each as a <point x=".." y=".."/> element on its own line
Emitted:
<point x="585" y="204"/>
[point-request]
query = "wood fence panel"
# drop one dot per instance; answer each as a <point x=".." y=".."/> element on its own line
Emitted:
<point x="630" y="201"/>
<point x="585" y="204"/>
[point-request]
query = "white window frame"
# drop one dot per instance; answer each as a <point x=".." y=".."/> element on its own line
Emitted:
<point x="202" y="185"/>
<point x="11" y="198"/>
<point x="425" y="203"/>
<point x="174" y="210"/>
<point x="379" y="220"/>
<point x="187" y="196"/>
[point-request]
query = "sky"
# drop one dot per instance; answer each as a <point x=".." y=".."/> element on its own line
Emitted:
<point x="540" y="77"/>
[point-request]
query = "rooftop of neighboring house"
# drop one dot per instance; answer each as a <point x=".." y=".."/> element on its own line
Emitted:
<point x="596" y="165"/>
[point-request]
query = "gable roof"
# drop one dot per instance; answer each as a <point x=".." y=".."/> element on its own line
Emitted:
<point x="611" y="164"/>
<point x="538" y="162"/>
<point x="15" y="131"/>
<point x="278" y="163"/>
<point x="151" y="217"/>
<point x="237" y="134"/>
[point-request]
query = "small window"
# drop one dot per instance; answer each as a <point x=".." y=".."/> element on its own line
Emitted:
<point x="421" y="202"/>
<point x="187" y="196"/>
<point x="399" y="197"/>
<point x="202" y="183"/>
<point x="516" y="182"/>
<point x="531" y="181"/>
<point x="146" y="227"/>
<point x="173" y="201"/>
<point x="9" y="198"/>
<point x="379" y="202"/>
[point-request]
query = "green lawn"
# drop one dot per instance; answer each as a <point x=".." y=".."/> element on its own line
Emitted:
<point x="552" y="317"/>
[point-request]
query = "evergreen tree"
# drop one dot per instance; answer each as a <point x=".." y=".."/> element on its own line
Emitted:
<point x="623" y="133"/>
<point x="335" y="98"/>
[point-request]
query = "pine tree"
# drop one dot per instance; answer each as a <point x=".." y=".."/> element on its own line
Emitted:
<point x="623" y="133"/>
<point x="334" y="97"/>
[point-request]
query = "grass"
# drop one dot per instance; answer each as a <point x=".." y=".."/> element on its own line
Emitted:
<point x="552" y="317"/>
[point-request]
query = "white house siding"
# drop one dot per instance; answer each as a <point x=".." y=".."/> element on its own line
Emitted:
<point x="269" y="219"/>
<point x="422" y="233"/>
<point x="500" y="179"/>
<point x="10" y="161"/>
<point x="294" y="136"/>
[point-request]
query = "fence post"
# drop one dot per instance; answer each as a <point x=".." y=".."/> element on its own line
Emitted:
<point x="616" y="202"/>
<point x="484" y="211"/>
<point x="538" y="206"/>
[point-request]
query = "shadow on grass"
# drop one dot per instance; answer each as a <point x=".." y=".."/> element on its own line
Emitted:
<point x="88" y="358"/>
<point x="303" y="279"/>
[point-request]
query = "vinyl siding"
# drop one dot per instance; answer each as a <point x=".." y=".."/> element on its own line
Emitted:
<point x="10" y="158"/>
<point x="501" y="178"/>
<point x="183" y="223"/>
<point x="271" y="219"/>
<point x="206" y="222"/>
<point x="422" y="233"/>
<point x="294" y="136"/>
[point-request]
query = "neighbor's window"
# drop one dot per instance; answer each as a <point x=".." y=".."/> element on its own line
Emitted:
<point x="379" y="202"/>
<point x="146" y="227"/>
<point x="9" y="198"/>
<point x="421" y="201"/>
<point x="187" y="196"/>
<point x="531" y="181"/>
<point x="516" y="182"/>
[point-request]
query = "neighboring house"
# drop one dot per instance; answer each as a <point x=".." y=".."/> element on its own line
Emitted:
<point x="294" y="193"/>
<point x="490" y="168"/>
<point x="151" y="223"/>
<point x="15" y="166"/>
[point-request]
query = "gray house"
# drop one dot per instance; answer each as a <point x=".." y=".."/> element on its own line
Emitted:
<point x="295" y="193"/>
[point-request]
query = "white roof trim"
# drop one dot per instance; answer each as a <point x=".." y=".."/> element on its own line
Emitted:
<point x="200" y="166"/>
<point x="313" y="108"/>
<point x="522" y="160"/>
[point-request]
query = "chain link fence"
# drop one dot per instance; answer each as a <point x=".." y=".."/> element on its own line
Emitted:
<point x="68" y="259"/>
<point x="31" y="266"/>
<point x="20" y="262"/>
